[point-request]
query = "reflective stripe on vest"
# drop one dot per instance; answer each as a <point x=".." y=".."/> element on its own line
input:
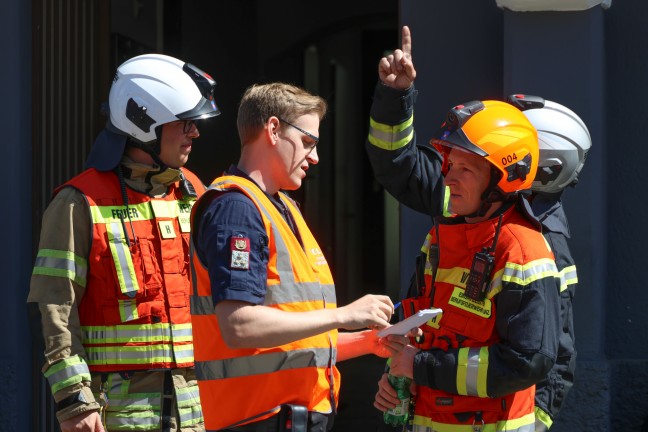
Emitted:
<point x="522" y="424"/>
<point x="139" y="355"/>
<point x="389" y="137"/>
<point x="56" y="263"/>
<point x="263" y="363"/>
<point x="189" y="406"/>
<point x="472" y="371"/>
<point x="161" y="332"/>
<point x="523" y="274"/>
<point x="126" y="411"/>
<point x="67" y="372"/>
<point x="160" y="337"/>
<point x="123" y="260"/>
<point x="568" y="276"/>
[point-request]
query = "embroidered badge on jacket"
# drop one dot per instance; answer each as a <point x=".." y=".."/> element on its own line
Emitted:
<point x="240" y="248"/>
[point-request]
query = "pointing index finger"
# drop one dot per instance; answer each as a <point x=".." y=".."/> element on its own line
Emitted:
<point x="406" y="41"/>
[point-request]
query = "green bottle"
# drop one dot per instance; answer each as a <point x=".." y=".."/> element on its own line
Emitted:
<point x="398" y="415"/>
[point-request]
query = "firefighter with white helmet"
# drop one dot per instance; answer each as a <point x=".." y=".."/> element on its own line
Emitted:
<point x="111" y="277"/>
<point x="564" y="142"/>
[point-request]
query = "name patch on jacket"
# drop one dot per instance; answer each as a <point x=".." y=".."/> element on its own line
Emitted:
<point x="444" y="401"/>
<point x="240" y="249"/>
<point x="462" y="301"/>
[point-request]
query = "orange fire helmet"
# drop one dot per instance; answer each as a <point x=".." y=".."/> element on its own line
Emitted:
<point x="497" y="131"/>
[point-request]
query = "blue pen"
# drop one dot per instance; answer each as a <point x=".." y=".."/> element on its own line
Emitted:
<point x="396" y="306"/>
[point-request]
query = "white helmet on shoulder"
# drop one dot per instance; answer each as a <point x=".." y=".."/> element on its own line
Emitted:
<point x="153" y="89"/>
<point x="563" y="138"/>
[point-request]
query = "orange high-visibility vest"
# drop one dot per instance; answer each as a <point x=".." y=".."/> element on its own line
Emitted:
<point x="469" y="325"/>
<point x="239" y="386"/>
<point x="135" y="311"/>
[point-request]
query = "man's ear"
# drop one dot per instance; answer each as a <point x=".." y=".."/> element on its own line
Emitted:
<point x="271" y="129"/>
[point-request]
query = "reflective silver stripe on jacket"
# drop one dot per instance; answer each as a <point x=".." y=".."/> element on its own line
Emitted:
<point x="67" y="372"/>
<point x="136" y="333"/>
<point x="57" y="263"/>
<point x="123" y="260"/>
<point x="189" y="406"/>
<point x="389" y="137"/>
<point x="568" y="276"/>
<point x="524" y="274"/>
<point x="264" y="363"/>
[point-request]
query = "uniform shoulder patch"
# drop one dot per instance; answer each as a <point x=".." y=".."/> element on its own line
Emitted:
<point x="240" y="253"/>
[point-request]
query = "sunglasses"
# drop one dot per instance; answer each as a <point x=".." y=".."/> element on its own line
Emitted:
<point x="187" y="125"/>
<point x="308" y="134"/>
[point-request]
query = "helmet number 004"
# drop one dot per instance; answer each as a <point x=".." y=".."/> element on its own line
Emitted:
<point x="509" y="159"/>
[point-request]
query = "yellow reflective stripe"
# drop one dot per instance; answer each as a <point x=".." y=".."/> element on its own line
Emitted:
<point x="543" y="417"/>
<point x="425" y="248"/>
<point x="120" y="355"/>
<point x="128" y="310"/>
<point x="133" y="420"/>
<point x="456" y="275"/>
<point x="568" y="276"/>
<point x="446" y="202"/>
<point x="143" y="211"/>
<point x="111" y="214"/>
<point x="58" y="263"/>
<point x="472" y="370"/>
<point x="188" y="396"/>
<point x="135" y="401"/>
<point x="523" y="275"/>
<point x="190" y="416"/>
<point x="389" y="137"/>
<point x="525" y="423"/>
<point x="189" y="408"/>
<point x="159" y="332"/>
<point x="183" y="353"/>
<point x="123" y="260"/>
<point x="67" y="372"/>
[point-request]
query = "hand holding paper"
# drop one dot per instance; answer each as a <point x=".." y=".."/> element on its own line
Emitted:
<point x="416" y="320"/>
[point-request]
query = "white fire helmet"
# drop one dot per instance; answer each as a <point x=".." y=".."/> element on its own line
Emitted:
<point x="563" y="138"/>
<point x="153" y="89"/>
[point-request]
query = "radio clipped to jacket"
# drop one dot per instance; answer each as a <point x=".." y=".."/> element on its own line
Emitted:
<point x="479" y="276"/>
<point x="481" y="268"/>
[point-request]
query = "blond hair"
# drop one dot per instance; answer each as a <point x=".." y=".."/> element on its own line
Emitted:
<point x="286" y="101"/>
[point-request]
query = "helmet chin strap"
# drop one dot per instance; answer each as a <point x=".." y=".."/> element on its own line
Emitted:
<point x="153" y="149"/>
<point x="490" y="195"/>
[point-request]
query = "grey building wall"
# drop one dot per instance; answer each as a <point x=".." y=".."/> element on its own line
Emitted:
<point x="15" y="217"/>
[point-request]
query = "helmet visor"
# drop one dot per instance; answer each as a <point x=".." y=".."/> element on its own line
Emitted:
<point x="206" y="107"/>
<point x="450" y="137"/>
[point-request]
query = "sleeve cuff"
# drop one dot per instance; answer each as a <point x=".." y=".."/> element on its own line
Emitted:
<point x="81" y="402"/>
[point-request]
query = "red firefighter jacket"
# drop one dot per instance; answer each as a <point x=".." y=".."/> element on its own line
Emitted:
<point x="460" y="374"/>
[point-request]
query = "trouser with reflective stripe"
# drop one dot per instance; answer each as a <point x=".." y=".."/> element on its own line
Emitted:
<point x="136" y="401"/>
